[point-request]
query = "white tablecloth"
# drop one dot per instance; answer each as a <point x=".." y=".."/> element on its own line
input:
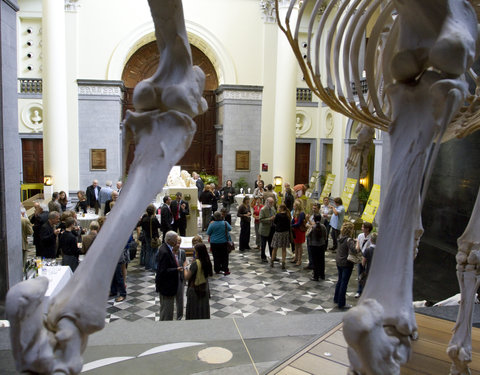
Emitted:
<point x="85" y="221"/>
<point x="57" y="277"/>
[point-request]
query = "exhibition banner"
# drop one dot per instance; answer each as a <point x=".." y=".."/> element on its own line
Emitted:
<point x="347" y="193"/>
<point x="372" y="204"/>
<point x="327" y="189"/>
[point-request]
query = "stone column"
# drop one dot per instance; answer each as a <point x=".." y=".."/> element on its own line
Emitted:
<point x="55" y="134"/>
<point x="285" y="104"/>
<point x="10" y="228"/>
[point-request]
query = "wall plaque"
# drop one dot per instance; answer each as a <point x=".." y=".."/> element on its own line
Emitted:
<point x="242" y="160"/>
<point x="98" y="159"/>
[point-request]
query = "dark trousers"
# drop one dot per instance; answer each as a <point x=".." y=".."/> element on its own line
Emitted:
<point x="266" y="240"/>
<point x="180" y="226"/>
<point x="244" y="235"/>
<point x="118" y="283"/>
<point x="220" y="256"/>
<point x="360" y="270"/>
<point x="335" y="234"/>
<point x="318" y="261"/>
<point x="344" y="274"/>
<point x="327" y="227"/>
<point x="70" y="260"/>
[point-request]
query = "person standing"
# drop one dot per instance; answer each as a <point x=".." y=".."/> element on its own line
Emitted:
<point x="105" y="195"/>
<point x="48" y="236"/>
<point x="87" y="239"/>
<point x="150" y="225"/>
<point x="219" y="236"/>
<point x="344" y="266"/>
<point x="257" y="205"/>
<point x="299" y="229"/>
<point x="317" y="244"/>
<point x="38" y="218"/>
<point x="53" y="205"/>
<point x="281" y="237"/>
<point x="109" y="204"/>
<point x="180" y="210"/>
<point x="27" y="230"/>
<point x="245" y="216"/>
<point x="259" y="191"/>
<point x="289" y="198"/>
<point x="311" y="224"/>
<point x="206" y="198"/>
<point x="326" y="212"/>
<point x="216" y="197"/>
<point x="181" y="260"/>
<point x="92" y="193"/>
<point x="198" y="291"/>
<point x="119" y="186"/>
<point x="363" y="242"/>
<point x="166" y="279"/>
<point x="266" y="229"/>
<point x="198" y="182"/>
<point x="166" y="217"/>
<point x="227" y="194"/>
<point x="336" y="221"/>
<point x="258" y="180"/>
<point x="68" y="245"/>
<point x="63" y="200"/>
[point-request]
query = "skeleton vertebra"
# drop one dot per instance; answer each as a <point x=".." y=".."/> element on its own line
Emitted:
<point x="163" y="130"/>
<point x="414" y="62"/>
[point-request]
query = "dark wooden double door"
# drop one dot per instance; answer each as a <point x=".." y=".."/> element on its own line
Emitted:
<point x="32" y="160"/>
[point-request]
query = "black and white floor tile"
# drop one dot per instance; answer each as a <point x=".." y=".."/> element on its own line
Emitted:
<point x="252" y="288"/>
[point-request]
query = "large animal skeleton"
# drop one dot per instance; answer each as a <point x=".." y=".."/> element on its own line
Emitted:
<point x="415" y="61"/>
<point x="163" y="129"/>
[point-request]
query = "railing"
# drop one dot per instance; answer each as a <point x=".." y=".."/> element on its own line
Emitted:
<point x="29" y="190"/>
<point x="29" y="85"/>
<point x="304" y="95"/>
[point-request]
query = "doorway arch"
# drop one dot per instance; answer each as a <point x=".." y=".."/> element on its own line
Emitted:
<point x="201" y="156"/>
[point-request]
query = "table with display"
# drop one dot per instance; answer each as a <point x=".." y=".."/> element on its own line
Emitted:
<point x="85" y="219"/>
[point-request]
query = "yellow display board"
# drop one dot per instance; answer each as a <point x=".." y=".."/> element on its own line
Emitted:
<point x="327" y="189"/>
<point x="372" y="204"/>
<point x="347" y="193"/>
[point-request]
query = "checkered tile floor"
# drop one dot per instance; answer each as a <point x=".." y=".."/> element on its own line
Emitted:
<point x="252" y="288"/>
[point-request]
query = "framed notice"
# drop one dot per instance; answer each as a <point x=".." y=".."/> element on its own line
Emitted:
<point x="242" y="160"/>
<point x="98" y="159"/>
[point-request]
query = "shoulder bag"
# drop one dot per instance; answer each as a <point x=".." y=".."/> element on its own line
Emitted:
<point x="154" y="241"/>
<point x="230" y="244"/>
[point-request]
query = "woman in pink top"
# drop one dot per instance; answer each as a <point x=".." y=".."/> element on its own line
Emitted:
<point x="257" y="205"/>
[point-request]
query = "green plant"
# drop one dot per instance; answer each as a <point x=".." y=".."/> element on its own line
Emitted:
<point x="241" y="183"/>
<point x="208" y="178"/>
<point x="363" y="195"/>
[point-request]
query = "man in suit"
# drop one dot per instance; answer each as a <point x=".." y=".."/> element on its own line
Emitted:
<point x="107" y="203"/>
<point x="39" y="218"/>
<point x="166" y="218"/>
<point x="48" y="235"/>
<point x="93" y="192"/>
<point x="180" y="210"/>
<point x="198" y="182"/>
<point x="182" y="261"/>
<point x="167" y="277"/>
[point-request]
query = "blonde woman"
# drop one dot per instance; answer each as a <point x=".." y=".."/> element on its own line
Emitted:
<point x="299" y="228"/>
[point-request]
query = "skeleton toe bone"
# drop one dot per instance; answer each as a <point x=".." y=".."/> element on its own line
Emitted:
<point x="374" y="351"/>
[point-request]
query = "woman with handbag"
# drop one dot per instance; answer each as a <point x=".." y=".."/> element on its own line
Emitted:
<point x="150" y="226"/>
<point x="219" y="238"/>
<point x="299" y="227"/>
<point x="281" y="237"/>
<point x="344" y="266"/>
<point x="198" y="292"/>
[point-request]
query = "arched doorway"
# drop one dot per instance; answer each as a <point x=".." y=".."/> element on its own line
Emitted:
<point x="201" y="156"/>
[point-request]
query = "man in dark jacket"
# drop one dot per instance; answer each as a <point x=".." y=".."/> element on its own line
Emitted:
<point x="180" y="210"/>
<point x="92" y="196"/>
<point x="167" y="277"/>
<point x="48" y="235"/>
<point x="39" y="218"/>
<point x="166" y="218"/>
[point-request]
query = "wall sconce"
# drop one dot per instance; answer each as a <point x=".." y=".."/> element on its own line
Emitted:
<point x="277" y="180"/>
<point x="363" y="181"/>
<point x="47" y="180"/>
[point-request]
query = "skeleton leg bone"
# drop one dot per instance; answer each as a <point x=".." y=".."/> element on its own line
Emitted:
<point x="79" y="308"/>
<point x="468" y="274"/>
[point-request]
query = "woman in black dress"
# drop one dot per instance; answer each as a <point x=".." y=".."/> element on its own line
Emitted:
<point x="245" y="216"/>
<point x="198" y="292"/>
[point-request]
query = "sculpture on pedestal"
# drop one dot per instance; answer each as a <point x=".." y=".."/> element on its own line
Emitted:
<point x="416" y="58"/>
<point x="162" y="128"/>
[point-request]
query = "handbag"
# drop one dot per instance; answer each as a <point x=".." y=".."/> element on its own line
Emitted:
<point x="303" y="225"/>
<point x="155" y="241"/>
<point x="355" y="257"/>
<point x="230" y="244"/>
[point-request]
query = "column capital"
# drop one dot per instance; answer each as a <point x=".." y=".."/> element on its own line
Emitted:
<point x="72" y="5"/>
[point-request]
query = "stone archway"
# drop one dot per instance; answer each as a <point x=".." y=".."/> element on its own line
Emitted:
<point x="201" y="156"/>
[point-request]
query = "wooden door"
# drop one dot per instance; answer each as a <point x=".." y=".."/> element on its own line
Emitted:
<point x="302" y="163"/>
<point x="32" y="160"/>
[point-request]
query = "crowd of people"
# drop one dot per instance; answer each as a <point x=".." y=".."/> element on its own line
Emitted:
<point x="281" y="222"/>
